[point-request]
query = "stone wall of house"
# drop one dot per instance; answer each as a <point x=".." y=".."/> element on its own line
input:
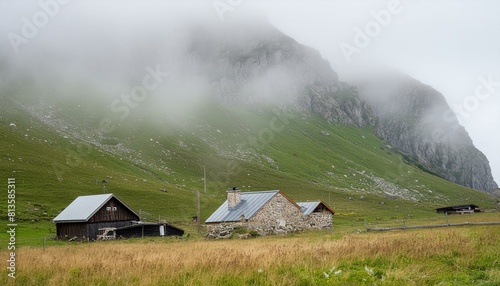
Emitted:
<point x="319" y="220"/>
<point x="278" y="216"/>
<point x="221" y="231"/>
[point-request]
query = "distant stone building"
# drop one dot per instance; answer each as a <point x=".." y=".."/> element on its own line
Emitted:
<point x="267" y="213"/>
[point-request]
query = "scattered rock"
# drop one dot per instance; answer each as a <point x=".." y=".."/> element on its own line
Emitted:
<point x="369" y="271"/>
<point x="244" y="236"/>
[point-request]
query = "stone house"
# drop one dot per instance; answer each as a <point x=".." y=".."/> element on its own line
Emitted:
<point x="267" y="213"/>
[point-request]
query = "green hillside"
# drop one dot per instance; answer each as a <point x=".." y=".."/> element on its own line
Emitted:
<point x="56" y="159"/>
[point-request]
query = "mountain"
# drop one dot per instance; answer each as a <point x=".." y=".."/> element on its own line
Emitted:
<point x="244" y="102"/>
<point x="416" y="119"/>
<point x="412" y="117"/>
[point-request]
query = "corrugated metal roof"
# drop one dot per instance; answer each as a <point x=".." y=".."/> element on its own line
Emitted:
<point x="250" y="203"/>
<point x="308" y="207"/>
<point x="83" y="208"/>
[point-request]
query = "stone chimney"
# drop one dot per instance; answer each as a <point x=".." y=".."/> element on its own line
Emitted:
<point x="233" y="197"/>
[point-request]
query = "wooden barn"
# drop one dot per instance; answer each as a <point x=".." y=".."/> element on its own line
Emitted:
<point x="87" y="214"/>
<point x="461" y="209"/>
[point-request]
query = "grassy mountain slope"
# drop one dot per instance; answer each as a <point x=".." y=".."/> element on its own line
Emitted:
<point x="298" y="153"/>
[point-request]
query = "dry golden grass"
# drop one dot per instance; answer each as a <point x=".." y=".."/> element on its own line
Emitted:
<point x="414" y="257"/>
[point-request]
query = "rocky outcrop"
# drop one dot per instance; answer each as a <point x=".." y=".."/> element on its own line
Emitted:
<point x="260" y="65"/>
<point x="416" y="119"/>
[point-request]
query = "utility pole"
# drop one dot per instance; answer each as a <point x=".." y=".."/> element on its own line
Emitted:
<point x="330" y="205"/>
<point x="104" y="182"/>
<point x="198" y="214"/>
<point x="204" y="180"/>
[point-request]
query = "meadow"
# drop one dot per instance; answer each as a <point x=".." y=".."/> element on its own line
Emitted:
<point x="445" y="256"/>
<point x="345" y="169"/>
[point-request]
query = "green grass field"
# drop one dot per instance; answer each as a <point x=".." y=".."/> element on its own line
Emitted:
<point x="445" y="256"/>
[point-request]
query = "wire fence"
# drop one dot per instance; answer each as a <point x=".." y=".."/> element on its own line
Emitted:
<point x="431" y="226"/>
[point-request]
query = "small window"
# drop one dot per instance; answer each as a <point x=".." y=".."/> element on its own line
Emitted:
<point x="114" y="209"/>
<point x="108" y="209"/>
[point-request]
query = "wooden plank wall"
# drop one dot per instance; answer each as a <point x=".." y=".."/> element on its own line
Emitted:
<point x="69" y="230"/>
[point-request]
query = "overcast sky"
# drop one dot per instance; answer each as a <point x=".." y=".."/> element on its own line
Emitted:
<point x="453" y="46"/>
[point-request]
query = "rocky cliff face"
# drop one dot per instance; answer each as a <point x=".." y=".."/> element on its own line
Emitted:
<point x="416" y="119"/>
<point x="259" y="64"/>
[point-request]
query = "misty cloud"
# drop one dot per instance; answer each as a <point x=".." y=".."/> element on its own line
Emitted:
<point x="104" y="48"/>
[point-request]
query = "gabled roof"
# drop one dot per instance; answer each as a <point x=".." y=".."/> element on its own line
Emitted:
<point x="308" y="207"/>
<point x="84" y="207"/>
<point x="250" y="203"/>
